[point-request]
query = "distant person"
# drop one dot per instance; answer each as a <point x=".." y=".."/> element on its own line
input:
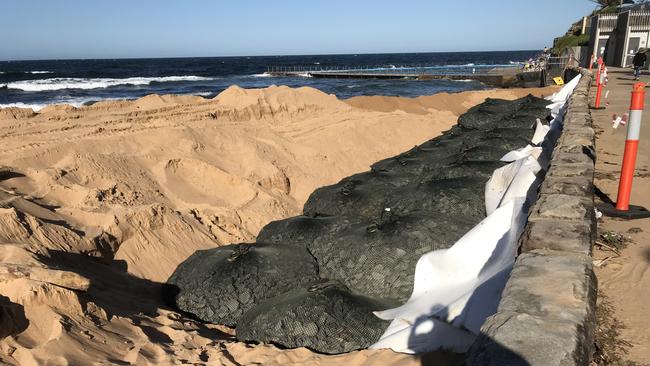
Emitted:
<point x="639" y="61"/>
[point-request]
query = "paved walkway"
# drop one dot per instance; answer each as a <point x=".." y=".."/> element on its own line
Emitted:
<point x="625" y="280"/>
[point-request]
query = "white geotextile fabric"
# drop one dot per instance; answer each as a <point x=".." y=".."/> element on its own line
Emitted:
<point x="560" y="98"/>
<point x="540" y="132"/>
<point x="456" y="289"/>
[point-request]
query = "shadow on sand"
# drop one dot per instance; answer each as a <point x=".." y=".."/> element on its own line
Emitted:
<point x="12" y="318"/>
<point x="121" y="294"/>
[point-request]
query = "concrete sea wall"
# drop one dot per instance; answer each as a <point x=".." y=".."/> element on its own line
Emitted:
<point x="547" y="312"/>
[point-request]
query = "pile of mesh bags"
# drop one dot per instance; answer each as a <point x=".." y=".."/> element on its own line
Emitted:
<point x="314" y="280"/>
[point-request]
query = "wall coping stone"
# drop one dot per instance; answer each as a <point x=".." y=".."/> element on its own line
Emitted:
<point x="546" y="315"/>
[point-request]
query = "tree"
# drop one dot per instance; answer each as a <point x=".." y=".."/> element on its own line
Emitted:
<point x="613" y="3"/>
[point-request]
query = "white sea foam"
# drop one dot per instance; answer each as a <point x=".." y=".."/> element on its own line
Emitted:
<point x="32" y="72"/>
<point x="82" y="83"/>
<point x="262" y="75"/>
<point x="34" y="107"/>
<point x="75" y="102"/>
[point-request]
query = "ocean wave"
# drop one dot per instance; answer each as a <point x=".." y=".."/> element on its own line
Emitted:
<point x="80" y="102"/>
<point x="75" y="102"/>
<point x="262" y="75"/>
<point x="34" y="107"/>
<point x="25" y="72"/>
<point x="99" y="83"/>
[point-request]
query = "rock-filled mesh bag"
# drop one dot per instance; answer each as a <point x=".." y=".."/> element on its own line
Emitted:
<point x="366" y="232"/>
<point x="377" y="258"/>
<point x="301" y="230"/>
<point x="218" y="285"/>
<point x="324" y="317"/>
<point x="497" y="113"/>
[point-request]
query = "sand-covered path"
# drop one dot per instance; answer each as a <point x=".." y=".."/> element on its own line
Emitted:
<point x="625" y="279"/>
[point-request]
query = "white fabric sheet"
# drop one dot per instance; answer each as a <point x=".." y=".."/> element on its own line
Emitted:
<point x="456" y="289"/>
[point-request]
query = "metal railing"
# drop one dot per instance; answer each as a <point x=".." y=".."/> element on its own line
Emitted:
<point x="640" y="20"/>
<point x="607" y="22"/>
<point x="389" y="69"/>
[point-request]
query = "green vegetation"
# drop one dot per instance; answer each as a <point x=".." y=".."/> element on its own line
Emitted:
<point x="607" y="10"/>
<point x="569" y="40"/>
<point x="604" y="4"/>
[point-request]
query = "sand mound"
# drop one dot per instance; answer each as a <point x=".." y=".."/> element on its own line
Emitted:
<point x="58" y="108"/>
<point x="152" y="101"/>
<point x="15" y="113"/>
<point x="99" y="204"/>
<point x="194" y="181"/>
<point x="454" y="102"/>
<point x="239" y="104"/>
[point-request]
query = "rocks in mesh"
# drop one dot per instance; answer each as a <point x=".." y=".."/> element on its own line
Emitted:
<point x="412" y="163"/>
<point x="361" y="195"/>
<point x="472" y="168"/>
<point x="218" y="285"/>
<point x="325" y="317"/>
<point x="301" y="230"/>
<point x="455" y="197"/>
<point x="365" y="233"/>
<point x="497" y="113"/>
<point x="377" y="258"/>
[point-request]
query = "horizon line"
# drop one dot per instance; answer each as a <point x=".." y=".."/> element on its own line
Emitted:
<point x="239" y="56"/>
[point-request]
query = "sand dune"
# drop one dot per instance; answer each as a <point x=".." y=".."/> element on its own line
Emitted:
<point x="99" y="204"/>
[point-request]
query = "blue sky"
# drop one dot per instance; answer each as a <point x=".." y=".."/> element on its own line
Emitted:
<point x="49" y="29"/>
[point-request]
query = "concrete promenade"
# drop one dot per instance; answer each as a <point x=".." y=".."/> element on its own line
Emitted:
<point x="625" y="279"/>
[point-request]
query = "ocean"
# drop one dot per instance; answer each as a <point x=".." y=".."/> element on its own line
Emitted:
<point x="36" y="84"/>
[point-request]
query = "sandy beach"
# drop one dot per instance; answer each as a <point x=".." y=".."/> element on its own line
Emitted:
<point x="99" y="204"/>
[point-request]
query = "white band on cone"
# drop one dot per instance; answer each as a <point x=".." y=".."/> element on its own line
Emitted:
<point x="634" y="125"/>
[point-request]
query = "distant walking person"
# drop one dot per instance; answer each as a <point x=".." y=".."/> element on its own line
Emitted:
<point x="639" y="61"/>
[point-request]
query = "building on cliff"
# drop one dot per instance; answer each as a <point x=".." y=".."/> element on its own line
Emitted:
<point x="618" y="37"/>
